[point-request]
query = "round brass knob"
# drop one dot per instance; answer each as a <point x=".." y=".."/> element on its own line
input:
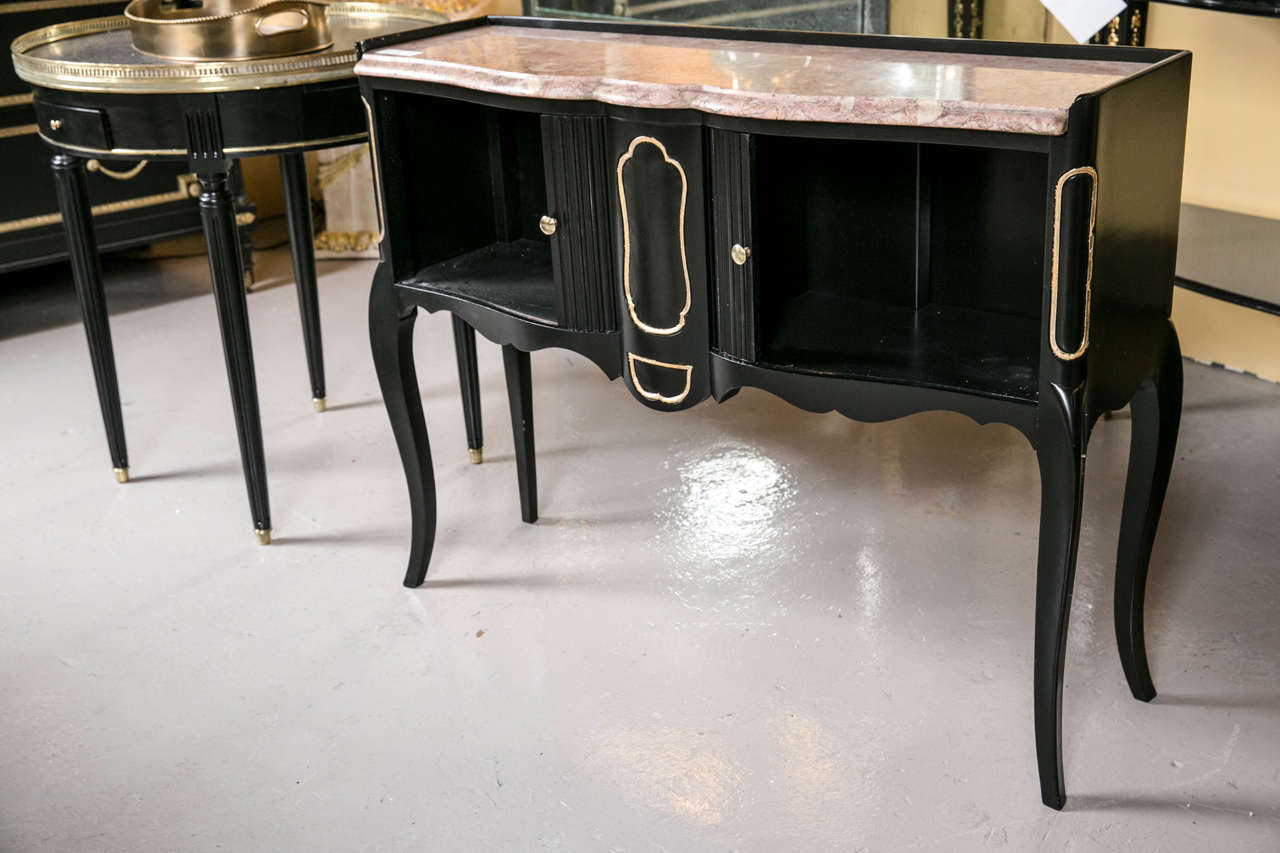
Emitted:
<point x="55" y="123"/>
<point x="547" y="225"/>
<point x="739" y="253"/>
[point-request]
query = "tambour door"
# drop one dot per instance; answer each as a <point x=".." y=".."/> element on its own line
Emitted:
<point x="577" y="220"/>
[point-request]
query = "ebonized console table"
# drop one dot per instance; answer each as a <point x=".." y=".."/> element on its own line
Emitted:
<point x="866" y="224"/>
<point x="96" y="96"/>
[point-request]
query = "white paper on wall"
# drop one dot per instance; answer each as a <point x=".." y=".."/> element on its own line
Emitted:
<point x="1083" y="18"/>
<point x="350" y="206"/>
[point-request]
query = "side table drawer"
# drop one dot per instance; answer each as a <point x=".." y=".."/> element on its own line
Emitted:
<point x="78" y="126"/>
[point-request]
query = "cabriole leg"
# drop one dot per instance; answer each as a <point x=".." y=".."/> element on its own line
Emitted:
<point x="86" y="269"/>
<point x="1156" y="411"/>
<point x="219" y="218"/>
<point x="464" y="343"/>
<point x="520" y="399"/>
<point x="391" y="336"/>
<point x="1061" y="455"/>
<point x="297" y="205"/>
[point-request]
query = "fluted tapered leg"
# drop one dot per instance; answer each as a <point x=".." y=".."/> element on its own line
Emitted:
<point x="464" y="345"/>
<point x="218" y="215"/>
<point x="391" y="336"/>
<point x="297" y="204"/>
<point x="1060" y="449"/>
<point x="520" y="399"/>
<point x="86" y="269"/>
<point x="1156" y="411"/>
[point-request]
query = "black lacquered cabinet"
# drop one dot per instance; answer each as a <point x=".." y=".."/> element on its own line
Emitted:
<point x="870" y="225"/>
<point x="131" y="205"/>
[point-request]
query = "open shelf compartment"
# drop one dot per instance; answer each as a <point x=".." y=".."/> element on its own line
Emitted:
<point x="514" y="277"/>
<point x="477" y="175"/>
<point x="902" y="262"/>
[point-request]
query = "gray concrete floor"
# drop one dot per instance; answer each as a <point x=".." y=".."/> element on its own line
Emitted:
<point x="741" y="628"/>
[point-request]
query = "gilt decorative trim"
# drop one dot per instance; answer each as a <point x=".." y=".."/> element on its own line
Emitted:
<point x="1092" y="174"/>
<point x="18" y="130"/>
<point x="655" y="396"/>
<point x="184" y="191"/>
<point x="626" y="239"/>
<point x="377" y="172"/>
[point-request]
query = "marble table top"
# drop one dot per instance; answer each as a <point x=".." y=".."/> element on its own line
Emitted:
<point x="752" y="79"/>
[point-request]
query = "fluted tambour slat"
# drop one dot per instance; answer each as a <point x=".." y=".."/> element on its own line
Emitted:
<point x="735" y="304"/>
<point x="577" y="195"/>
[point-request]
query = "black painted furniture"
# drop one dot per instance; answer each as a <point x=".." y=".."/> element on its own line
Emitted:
<point x="131" y="209"/>
<point x="897" y="233"/>
<point x="97" y="97"/>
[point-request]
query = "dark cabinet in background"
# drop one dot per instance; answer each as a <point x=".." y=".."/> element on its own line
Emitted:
<point x="131" y="206"/>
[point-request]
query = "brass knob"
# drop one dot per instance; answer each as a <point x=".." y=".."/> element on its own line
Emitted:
<point x="55" y="123"/>
<point x="547" y="225"/>
<point x="739" y="253"/>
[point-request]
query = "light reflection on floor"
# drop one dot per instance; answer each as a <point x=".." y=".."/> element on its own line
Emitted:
<point x="722" y="528"/>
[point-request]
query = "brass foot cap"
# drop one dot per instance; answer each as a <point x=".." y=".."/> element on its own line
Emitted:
<point x="264" y="536"/>
<point x="319" y="403"/>
<point x="476" y="454"/>
<point x="122" y="475"/>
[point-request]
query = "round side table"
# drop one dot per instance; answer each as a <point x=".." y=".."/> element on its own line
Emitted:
<point x="98" y="97"/>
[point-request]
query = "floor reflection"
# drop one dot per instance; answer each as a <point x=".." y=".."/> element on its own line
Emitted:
<point x="731" y="508"/>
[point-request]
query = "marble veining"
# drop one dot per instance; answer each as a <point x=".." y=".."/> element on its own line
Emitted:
<point x="777" y="82"/>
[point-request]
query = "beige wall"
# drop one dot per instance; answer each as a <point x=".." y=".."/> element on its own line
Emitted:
<point x="1235" y="89"/>
<point x="262" y="185"/>
<point x="924" y="18"/>
<point x="1003" y="20"/>
<point x="1218" y="332"/>
<point x="1234" y="123"/>
<point x="1232" y="134"/>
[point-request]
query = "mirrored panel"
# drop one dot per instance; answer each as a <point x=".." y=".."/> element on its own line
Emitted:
<point x="846" y="16"/>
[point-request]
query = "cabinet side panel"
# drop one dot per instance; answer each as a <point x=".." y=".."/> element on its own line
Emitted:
<point x="1141" y="133"/>
<point x="729" y="156"/>
<point x="577" y="173"/>
<point x="397" y="245"/>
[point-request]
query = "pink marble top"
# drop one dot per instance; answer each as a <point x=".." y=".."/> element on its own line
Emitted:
<point x="782" y="82"/>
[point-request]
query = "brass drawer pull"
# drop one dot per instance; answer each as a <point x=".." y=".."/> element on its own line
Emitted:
<point x="739" y="253"/>
<point x="96" y="166"/>
<point x="547" y="225"/>
<point x="1088" y="276"/>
